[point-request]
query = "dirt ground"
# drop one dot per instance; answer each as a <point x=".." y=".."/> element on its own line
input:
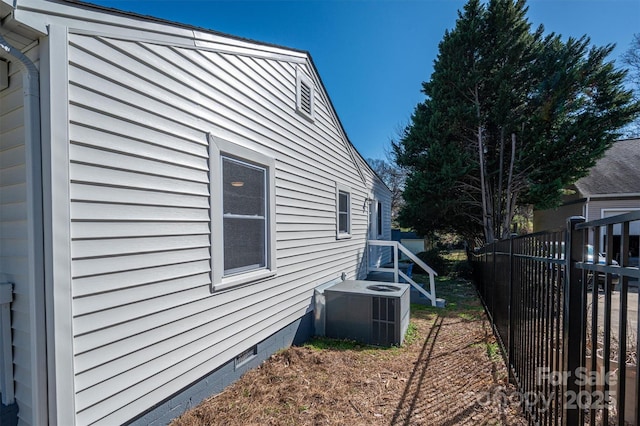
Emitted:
<point x="449" y="372"/>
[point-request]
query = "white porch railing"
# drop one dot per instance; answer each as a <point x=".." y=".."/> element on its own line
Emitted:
<point x="397" y="273"/>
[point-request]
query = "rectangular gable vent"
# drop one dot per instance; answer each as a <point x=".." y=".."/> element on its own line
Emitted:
<point x="304" y="95"/>
<point x="305" y="98"/>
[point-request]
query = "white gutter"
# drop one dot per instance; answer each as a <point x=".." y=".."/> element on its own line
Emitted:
<point x="35" y="230"/>
<point x="616" y="195"/>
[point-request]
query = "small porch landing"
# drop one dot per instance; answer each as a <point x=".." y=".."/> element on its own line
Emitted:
<point x="401" y="272"/>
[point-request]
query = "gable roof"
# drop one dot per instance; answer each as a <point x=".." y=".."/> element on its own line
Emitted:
<point x="241" y="43"/>
<point x="15" y="12"/>
<point x="618" y="172"/>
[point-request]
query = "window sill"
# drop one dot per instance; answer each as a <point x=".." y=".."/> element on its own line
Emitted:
<point x="343" y="236"/>
<point x="238" y="280"/>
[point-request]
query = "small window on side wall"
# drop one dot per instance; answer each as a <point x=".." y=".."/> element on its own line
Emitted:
<point x="343" y="211"/>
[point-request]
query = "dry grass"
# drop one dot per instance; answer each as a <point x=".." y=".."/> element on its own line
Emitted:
<point x="447" y="374"/>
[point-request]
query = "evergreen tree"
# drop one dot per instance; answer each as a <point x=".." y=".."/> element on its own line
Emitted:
<point x="631" y="59"/>
<point x="510" y="117"/>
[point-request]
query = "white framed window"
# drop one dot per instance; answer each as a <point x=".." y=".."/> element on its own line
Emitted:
<point x="343" y="211"/>
<point x="242" y="214"/>
<point x="305" y="95"/>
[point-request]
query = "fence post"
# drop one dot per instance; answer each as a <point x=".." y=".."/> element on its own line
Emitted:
<point x="574" y="320"/>
<point x="492" y="291"/>
<point x="510" y="346"/>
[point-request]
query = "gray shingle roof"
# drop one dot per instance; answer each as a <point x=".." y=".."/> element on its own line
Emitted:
<point x="618" y="172"/>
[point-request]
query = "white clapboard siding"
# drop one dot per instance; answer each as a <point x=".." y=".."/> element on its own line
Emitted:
<point x="326" y="199"/>
<point x="303" y="204"/>
<point x="91" y="267"/>
<point x="82" y="173"/>
<point x="143" y="394"/>
<point x="302" y="212"/>
<point x="96" y="230"/>
<point x="14" y="211"/>
<point x="190" y="342"/>
<point x="11" y="228"/>
<point x="109" y="194"/>
<point x="142" y="279"/>
<point x="106" y="159"/>
<point x="129" y="338"/>
<point x="87" y="249"/>
<point x="301" y="244"/>
<point x="12" y="156"/>
<point x="145" y="322"/>
<point x="153" y="150"/>
<point x="165" y="367"/>
<point x="15" y="261"/>
<point x="220" y="90"/>
<point x="85" y="118"/>
<point x="97" y="320"/>
<point x="167" y="353"/>
<point x="126" y="337"/>
<point x="148" y="292"/>
<point x="316" y="257"/>
<point x="126" y="212"/>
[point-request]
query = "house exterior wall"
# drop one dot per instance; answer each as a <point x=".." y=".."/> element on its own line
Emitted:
<point x="376" y="255"/>
<point x="18" y="245"/>
<point x="591" y="210"/>
<point x="603" y="208"/>
<point x="295" y="333"/>
<point x="596" y="207"/>
<point x="13" y="217"/>
<point x="143" y="322"/>
<point x="557" y="217"/>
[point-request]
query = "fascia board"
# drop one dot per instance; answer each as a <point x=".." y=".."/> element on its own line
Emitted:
<point x="615" y="195"/>
<point x="81" y="15"/>
<point x="28" y="21"/>
<point x="219" y="42"/>
<point x="81" y="18"/>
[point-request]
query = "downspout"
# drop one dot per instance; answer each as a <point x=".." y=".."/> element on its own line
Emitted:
<point x="35" y="237"/>
<point x="6" y="349"/>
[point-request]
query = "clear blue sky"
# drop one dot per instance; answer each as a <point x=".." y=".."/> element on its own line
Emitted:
<point x="373" y="55"/>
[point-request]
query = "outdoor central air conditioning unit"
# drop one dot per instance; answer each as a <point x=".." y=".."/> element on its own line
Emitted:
<point x="370" y="312"/>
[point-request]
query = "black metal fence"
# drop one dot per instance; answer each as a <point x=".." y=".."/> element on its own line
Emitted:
<point x="566" y="317"/>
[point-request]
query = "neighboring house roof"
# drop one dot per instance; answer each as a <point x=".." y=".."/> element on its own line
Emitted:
<point x="618" y="172"/>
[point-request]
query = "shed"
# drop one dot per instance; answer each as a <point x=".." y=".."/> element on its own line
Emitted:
<point x="170" y="197"/>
